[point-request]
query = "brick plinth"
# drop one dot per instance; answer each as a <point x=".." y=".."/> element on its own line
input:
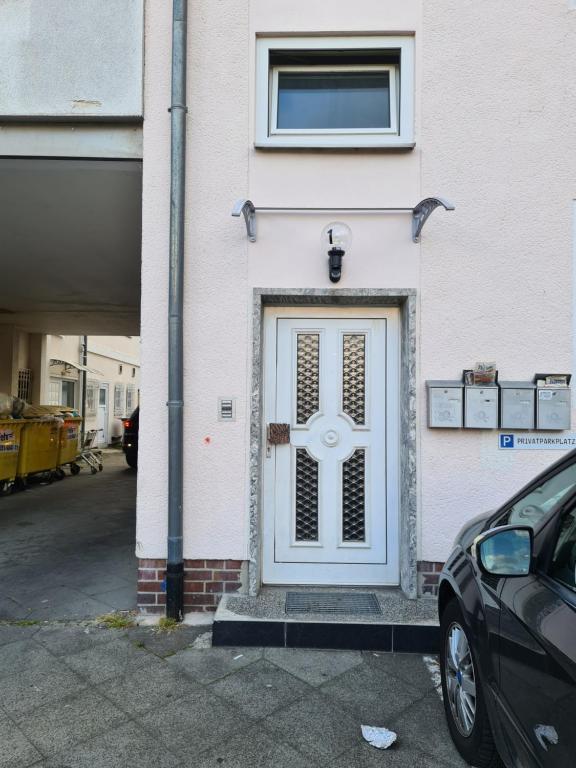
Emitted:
<point x="428" y="577"/>
<point x="205" y="581"/>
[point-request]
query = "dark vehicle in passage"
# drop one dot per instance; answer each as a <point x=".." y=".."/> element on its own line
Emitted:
<point x="507" y="605"/>
<point x="130" y="439"/>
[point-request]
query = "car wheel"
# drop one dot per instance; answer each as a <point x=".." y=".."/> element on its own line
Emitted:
<point x="6" y="488"/>
<point x="132" y="460"/>
<point x="462" y="692"/>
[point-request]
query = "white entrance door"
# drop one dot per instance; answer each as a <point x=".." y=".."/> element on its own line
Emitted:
<point x="331" y="493"/>
<point x="102" y="422"/>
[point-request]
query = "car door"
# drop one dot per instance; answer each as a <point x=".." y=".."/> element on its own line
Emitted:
<point x="538" y="651"/>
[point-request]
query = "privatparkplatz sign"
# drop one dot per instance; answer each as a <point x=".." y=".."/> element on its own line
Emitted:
<point x="537" y="441"/>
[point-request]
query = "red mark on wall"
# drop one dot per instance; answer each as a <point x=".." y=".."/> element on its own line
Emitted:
<point x="207" y="440"/>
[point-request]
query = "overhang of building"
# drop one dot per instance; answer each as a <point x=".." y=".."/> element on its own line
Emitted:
<point x="70" y="246"/>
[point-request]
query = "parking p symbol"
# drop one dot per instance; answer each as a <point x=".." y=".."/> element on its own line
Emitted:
<point x="506" y="441"/>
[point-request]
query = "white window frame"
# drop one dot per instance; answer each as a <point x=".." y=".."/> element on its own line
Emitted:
<point x="91" y="393"/>
<point x="403" y="83"/>
<point x="130" y="391"/>
<point x="392" y="72"/>
<point x="56" y="384"/>
<point x="119" y="400"/>
<point x="54" y="391"/>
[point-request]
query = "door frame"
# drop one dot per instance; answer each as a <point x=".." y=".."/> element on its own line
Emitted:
<point x="405" y="300"/>
<point x="328" y="574"/>
<point x="103" y="440"/>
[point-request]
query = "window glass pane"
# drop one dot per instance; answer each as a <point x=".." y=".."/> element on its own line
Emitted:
<point x="333" y="100"/>
<point x="54" y="393"/>
<point x="354" y="497"/>
<point x="354" y="376"/>
<point x="532" y="507"/>
<point x="307" y="376"/>
<point x="90" y="399"/>
<point x="118" y="400"/>
<point x="102" y="397"/>
<point x="68" y="388"/>
<point x="306" y="496"/>
<point x="564" y="561"/>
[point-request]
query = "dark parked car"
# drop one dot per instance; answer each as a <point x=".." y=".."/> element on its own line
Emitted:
<point x="507" y="607"/>
<point x="130" y="439"/>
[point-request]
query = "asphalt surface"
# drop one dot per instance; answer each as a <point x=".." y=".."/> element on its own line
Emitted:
<point x="67" y="549"/>
<point x="80" y="696"/>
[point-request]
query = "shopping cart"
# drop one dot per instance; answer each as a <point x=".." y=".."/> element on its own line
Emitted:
<point x="90" y="454"/>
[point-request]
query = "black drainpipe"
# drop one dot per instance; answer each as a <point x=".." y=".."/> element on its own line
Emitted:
<point x="175" y="561"/>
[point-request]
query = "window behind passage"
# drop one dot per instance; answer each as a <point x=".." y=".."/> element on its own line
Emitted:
<point x="333" y="100"/>
<point x="68" y="393"/>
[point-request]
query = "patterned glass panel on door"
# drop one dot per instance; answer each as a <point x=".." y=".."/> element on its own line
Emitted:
<point x="354" y="376"/>
<point x="307" y="376"/>
<point x="306" y="496"/>
<point x="354" y="497"/>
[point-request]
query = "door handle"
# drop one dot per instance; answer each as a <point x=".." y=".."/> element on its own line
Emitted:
<point x="278" y="434"/>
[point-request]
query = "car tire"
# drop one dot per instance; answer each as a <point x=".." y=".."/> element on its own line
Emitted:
<point x="472" y="736"/>
<point x="132" y="460"/>
<point x="6" y="488"/>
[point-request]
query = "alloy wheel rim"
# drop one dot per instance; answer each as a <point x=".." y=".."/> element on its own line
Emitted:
<point x="460" y="679"/>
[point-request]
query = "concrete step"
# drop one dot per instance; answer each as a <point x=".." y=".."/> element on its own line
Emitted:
<point x="401" y="625"/>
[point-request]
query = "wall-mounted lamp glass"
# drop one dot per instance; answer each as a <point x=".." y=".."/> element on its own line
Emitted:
<point x="336" y="238"/>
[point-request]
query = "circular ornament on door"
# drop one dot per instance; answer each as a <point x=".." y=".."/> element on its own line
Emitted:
<point x="331" y="438"/>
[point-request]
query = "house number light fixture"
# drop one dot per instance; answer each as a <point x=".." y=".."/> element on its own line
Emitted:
<point x="336" y="237"/>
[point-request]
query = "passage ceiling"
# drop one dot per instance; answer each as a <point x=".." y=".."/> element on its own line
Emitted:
<point x="70" y="239"/>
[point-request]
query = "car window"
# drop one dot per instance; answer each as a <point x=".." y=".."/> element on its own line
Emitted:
<point x="534" y="506"/>
<point x="564" y="561"/>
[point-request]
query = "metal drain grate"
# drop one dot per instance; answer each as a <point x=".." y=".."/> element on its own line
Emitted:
<point x="352" y="603"/>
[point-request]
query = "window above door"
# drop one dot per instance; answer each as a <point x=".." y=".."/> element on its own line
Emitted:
<point x="335" y="92"/>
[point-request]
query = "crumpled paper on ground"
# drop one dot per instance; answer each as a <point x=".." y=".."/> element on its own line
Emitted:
<point x="381" y="738"/>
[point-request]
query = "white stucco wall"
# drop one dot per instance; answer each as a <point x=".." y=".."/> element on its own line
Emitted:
<point x="493" y="278"/>
<point x="74" y="59"/>
<point x="497" y="134"/>
<point x="216" y="281"/>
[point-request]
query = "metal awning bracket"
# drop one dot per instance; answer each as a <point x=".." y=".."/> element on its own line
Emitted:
<point x="422" y="211"/>
<point x="246" y="208"/>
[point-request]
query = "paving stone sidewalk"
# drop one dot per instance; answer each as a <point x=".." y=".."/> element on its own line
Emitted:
<point x="80" y="696"/>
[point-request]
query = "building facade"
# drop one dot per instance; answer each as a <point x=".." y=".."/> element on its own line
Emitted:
<point x="112" y="380"/>
<point x="45" y="369"/>
<point x="410" y="170"/>
<point x="470" y="105"/>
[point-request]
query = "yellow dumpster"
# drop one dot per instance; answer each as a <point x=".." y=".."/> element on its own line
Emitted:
<point x="39" y="445"/>
<point x="10" y="432"/>
<point x="69" y="435"/>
